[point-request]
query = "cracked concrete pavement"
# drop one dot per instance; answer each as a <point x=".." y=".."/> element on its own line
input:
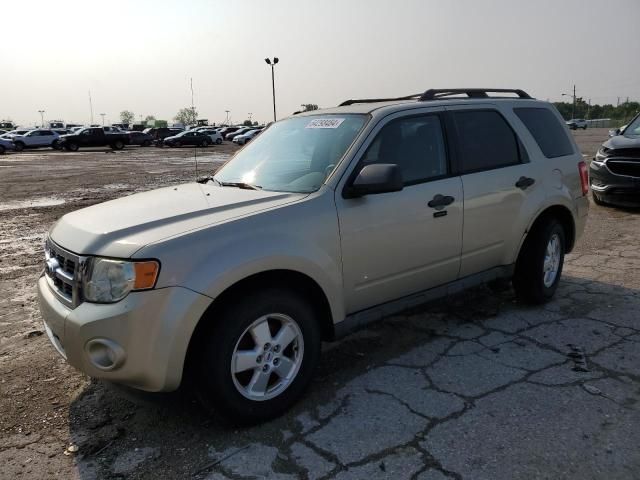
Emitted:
<point x="475" y="386"/>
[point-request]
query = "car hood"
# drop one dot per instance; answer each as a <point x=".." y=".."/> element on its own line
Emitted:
<point x="622" y="142"/>
<point x="119" y="228"/>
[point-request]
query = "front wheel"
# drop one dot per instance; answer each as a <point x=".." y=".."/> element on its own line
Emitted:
<point x="257" y="356"/>
<point x="72" y="147"/>
<point x="2" y="149"/>
<point x="539" y="265"/>
<point x="18" y="146"/>
<point x="218" y="141"/>
<point x="118" y="145"/>
<point x="204" y="144"/>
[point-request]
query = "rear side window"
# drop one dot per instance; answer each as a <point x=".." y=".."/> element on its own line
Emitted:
<point x="547" y="131"/>
<point x="485" y="140"/>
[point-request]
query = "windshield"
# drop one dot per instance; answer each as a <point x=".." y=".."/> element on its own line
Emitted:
<point x="294" y="155"/>
<point x="633" y="129"/>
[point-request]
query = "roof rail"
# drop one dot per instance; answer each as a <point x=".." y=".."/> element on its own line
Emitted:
<point x="376" y="100"/>
<point x="440" y="93"/>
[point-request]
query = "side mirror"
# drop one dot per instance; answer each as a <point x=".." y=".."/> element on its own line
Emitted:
<point x="614" y="133"/>
<point x="375" y="178"/>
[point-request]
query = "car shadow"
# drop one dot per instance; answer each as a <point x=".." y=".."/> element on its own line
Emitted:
<point x="121" y="432"/>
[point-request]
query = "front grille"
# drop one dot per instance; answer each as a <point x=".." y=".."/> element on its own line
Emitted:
<point x="629" y="168"/>
<point x="63" y="270"/>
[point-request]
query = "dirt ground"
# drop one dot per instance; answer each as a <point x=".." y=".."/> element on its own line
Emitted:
<point x="46" y="406"/>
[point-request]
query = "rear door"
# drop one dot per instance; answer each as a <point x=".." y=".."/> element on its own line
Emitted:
<point x="500" y="186"/>
<point x="395" y="244"/>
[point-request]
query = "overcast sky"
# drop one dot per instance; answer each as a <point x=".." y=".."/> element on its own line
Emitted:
<point x="140" y="54"/>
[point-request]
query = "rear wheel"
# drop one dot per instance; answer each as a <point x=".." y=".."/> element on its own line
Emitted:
<point x="72" y="147"/>
<point x="257" y="356"/>
<point x="2" y="149"/>
<point x="205" y="143"/>
<point x="540" y="262"/>
<point x="218" y="141"/>
<point x="56" y="145"/>
<point x="146" y="143"/>
<point x="118" y="145"/>
<point x="18" y="146"/>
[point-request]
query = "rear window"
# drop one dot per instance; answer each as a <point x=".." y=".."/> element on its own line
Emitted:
<point x="548" y="132"/>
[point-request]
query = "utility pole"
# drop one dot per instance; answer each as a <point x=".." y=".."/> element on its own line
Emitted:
<point x="102" y="115"/>
<point x="226" y="120"/>
<point x="588" y="109"/>
<point x="273" y="82"/>
<point x="91" y="107"/>
<point x="573" y="110"/>
<point x="41" y="112"/>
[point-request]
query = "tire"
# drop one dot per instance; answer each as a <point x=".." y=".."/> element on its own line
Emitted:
<point x="146" y="143"/>
<point x="72" y="147"/>
<point x="2" y="149"/>
<point x="205" y="143"/>
<point x="56" y="145"/>
<point x="18" y="146"/>
<point x="118" y="145"/>
<point x="176" y="144"/>
<point x="532" y="283"/>
<point x="228" y="395"/>
<point x="218" y="141"/>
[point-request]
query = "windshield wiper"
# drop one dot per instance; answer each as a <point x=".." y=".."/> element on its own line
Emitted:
<point x="246" y="186"/>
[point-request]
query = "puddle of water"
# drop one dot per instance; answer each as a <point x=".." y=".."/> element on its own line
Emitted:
<point x="33" y="203"/>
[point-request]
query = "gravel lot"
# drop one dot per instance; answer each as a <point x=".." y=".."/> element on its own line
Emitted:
<point x="476" y="386"/>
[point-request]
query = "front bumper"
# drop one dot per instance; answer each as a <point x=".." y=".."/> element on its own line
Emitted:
<point x="616" y="189"/>
<point x="148" y="332"/>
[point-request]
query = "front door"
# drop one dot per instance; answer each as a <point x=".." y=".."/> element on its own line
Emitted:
<point x="395" y="244"/>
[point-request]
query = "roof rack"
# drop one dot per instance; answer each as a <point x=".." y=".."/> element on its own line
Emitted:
<point x="377" y="100"/>
<point x="442" y="93"/>
<point x="438" y="93"/>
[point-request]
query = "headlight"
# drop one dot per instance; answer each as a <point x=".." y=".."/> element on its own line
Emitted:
<point x="109" y="281"/>
<point x="602" y="154"/>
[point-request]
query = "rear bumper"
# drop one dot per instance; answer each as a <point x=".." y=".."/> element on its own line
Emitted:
<point x="148" y="335"/>
<point x="621" y="190"/>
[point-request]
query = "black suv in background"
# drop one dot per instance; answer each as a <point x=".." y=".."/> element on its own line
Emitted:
<point x="614" y="173"/>
<point x="159" y="134"/>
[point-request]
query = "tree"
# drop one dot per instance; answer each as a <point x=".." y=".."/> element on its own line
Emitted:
<point x="187" y="116"/>
<point x="308" y="107"/>
<point x="149" y="118"/>
<point x="247" y="123"/>
<point x="127" y="116"/>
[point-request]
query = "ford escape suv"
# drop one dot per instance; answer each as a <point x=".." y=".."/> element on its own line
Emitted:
<point x="327" y="221"/>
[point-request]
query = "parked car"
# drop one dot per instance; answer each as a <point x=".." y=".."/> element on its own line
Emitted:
<point x="12" y="133"/>
<point x="140" y="138"/>
<point x="576" y="123"/>
<point x="226" y="130"/>
<point x="246" y="137"/>
<point x="213" y="135"/>
<point x="159" y="134"/>
<point x="93" y="137"/>
<point x="230" y="135"/>
<point x="617" y="131"/>
<point x="35" y="139"/>
<point x="327" y="221"/>
<point x="5" y="145"/>
<point x="614" y="173"/>
<point x="188" y="138"/>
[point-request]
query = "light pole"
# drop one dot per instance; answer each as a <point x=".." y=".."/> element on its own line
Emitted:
<point x="102" y="115"/>
<point x="41" y="112"/>
<point x="573" y="108"/>
<point x="273" y="82"/>
<point x="226" y="120"/>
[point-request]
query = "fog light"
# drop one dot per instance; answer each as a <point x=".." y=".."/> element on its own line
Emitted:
<point x="105" y="354"/>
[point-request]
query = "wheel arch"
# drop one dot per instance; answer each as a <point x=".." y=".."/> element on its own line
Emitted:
<point x="564" y="216"/>
<point x="291" y="279"/>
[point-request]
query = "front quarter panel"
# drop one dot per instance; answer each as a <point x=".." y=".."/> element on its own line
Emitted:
<point x="302" y="237"/>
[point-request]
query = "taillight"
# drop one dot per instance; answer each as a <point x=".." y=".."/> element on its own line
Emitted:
<point x="584" y="177"/>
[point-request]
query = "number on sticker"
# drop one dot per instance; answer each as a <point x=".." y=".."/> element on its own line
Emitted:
<point x="325" y="123"/>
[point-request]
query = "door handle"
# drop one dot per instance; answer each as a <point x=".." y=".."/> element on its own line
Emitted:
<point x="525" y="182"/>
<point x="441" y="201"/>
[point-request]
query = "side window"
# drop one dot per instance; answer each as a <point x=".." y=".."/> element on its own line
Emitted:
<point x="485" y="140"/>
<point x="415" y="144"/>
<point x="546" y="129"/>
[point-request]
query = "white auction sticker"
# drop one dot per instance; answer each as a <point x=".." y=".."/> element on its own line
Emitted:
<point x="325" y="123"/>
